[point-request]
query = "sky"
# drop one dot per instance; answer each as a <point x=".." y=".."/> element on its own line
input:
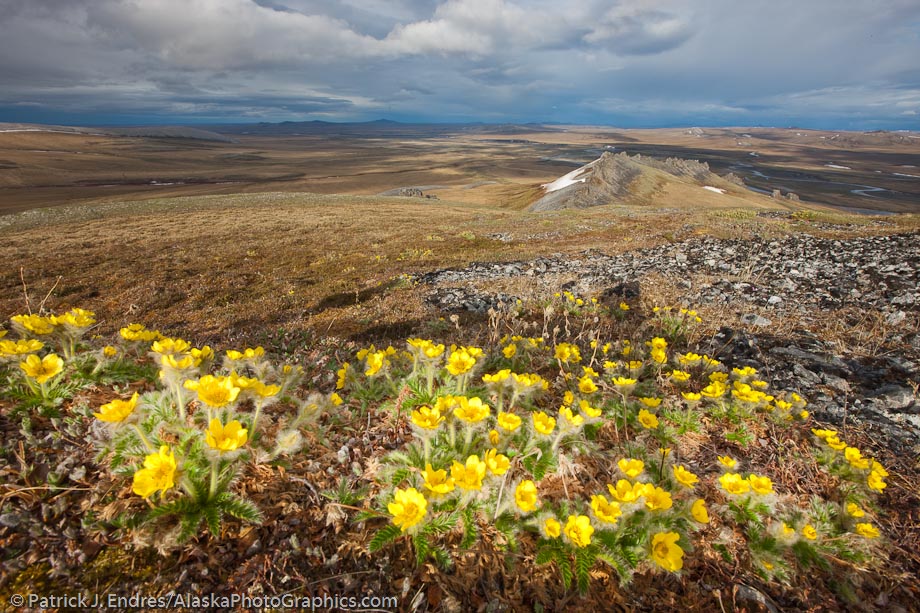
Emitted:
<point x="825" y="64"/>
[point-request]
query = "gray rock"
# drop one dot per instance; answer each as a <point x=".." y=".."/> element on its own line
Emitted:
<point x="774" y="300"/>
<point x="893" y="398"/>
<point x="838" y="384"/>
<point x="752" y="319"/>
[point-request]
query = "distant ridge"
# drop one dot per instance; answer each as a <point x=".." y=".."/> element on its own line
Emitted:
<point x="616" y="178"/>
<point x="382" y="127"/>
<point x="137" y="132"/>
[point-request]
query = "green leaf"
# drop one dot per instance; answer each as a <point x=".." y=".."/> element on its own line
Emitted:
<point x="562" y="561"/>
<point x="584" y="562"/>
<point x="385" y="535"/>
<point x="237" y="507"/>
<point x="422" y="548"/>
<point x="470" y="531"/>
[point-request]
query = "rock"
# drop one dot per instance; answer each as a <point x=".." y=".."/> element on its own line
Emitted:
<point x="893" y="398"/>
<point x="628" y="290"/>
<point x="838" y="384"/>
<point x="774" y="300"/>
<point x="896" y="318"/>
<point x="752" y="319"/>
<point x="805" y="375"/>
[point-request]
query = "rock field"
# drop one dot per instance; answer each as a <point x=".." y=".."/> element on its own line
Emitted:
<point x="800" y="278"/>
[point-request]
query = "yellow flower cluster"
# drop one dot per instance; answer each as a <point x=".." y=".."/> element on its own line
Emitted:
<point x="874" y="471"/>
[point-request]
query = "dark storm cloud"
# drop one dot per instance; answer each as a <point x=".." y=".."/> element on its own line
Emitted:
<point x="639" y="61"/>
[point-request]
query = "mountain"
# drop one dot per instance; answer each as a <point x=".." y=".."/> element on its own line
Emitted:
<point x="624" y="179"/>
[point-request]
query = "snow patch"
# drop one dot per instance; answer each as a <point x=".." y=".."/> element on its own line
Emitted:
<point x="901" y="174"/>
<point x="568" y="179"/>
<point x="717" y="190"/>
<point x="838" y="166"/>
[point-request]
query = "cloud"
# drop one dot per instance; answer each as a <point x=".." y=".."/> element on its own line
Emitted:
<point x="595" y="61"/>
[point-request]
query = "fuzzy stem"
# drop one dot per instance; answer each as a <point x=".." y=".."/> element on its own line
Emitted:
<point x="255" y="419"/>
<point x="143" y="438"/>
<point x="214" y="473"/>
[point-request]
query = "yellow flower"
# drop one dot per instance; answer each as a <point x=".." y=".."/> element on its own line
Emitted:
<point x="566" y="352"/>
<point x="117" y="410"/>
<point x="684" y="476"/>
<point x="648" y="420"/>
<point x="787" y="530"/>
<point x="626" y="492"/>
<point x="691" y="396"/>
<point x="715" y="389"/>
<point x="461" y="361"/>
<point x="470" y="475"/>
<point x="651" y="403"/>
<point x="494" y="437"/>
<point x="20" y="347"/>
<point x="508" y="421"/>
<point x="75" y="318"/>
<point x="605" y="510"/>
<point x="867" y="530"/>
<point x="761" y="485"/>
<point x="734" y="484"/>
<point x="427" y="418"/>
<point x="745" y="372"/>
<point x="225" y="438"/>
<point x="632" y="468"/>
<point x="680" y="375"/>
<point x="334" y="398"/>
<point x="566" y="414"/>
<point x="623" y="381"/>
<point x="109" y="351"/>
<point x="437" y="481"/>
<point x="375" y="362"/>
<point x="721" y="377"/>
<point x="509" y="351"/>
<point x="666" y="553"/>
<point x="471" y="410"/>
<point x="854" y="510"/>
<point x="36" y="324"/>
<point x="159" y="473"/>
<point x="525" y="496"/>
<point x="587" y="409"/>
<point x="200" y="355"/>
<point x="854" y="457"/>
<point x="408" y="508"/>
<point x="690" y="358"/>
<point x="727" y="461"/>
<point x="171" y="360"/>
<point x="657" y="499"/>
<point x="139" y="332"/>
<point x="586" y="385"/>
<point x="170" y="345"/>
<point x="497" y="463"/>
<point x="835" y="443"/>
<point x="552" y="528"/>
<point x="342" y="373"/>
<point x="878" y="468"/>
<point x="699" y="512"/>
<point x="214" y="391"/>
<point x="543" y="423"/>
<point x="876" y="482"/>
<point x="579" y="529"/>
<point x="263" y="390"/>
<point x="624" y="306"/>
<point x="809" y="532"/>
<point x="42" y="369"/>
